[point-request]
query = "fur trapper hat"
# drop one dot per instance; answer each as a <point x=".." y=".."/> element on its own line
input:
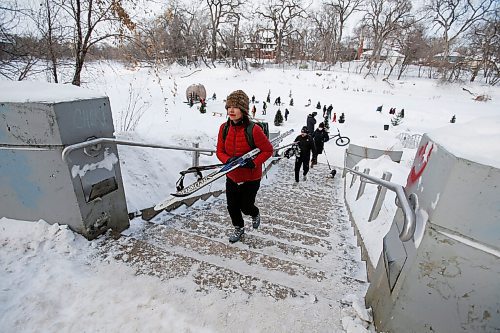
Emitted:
<point x="238" y="99"/>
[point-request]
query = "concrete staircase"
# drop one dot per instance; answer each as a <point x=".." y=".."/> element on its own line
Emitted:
<point x="301" y="262"/>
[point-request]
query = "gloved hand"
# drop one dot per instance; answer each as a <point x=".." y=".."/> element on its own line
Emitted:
<point x="249" y="164"/>
<point x="231" y="159"/>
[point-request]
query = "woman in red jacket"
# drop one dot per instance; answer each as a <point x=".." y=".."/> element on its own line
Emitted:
<point x="242" y="183"/>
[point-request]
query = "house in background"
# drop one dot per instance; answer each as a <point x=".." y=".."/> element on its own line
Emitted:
<point x="261" y="45"/>
<point x="452" y="58"/>
<point x="389" y="55"/>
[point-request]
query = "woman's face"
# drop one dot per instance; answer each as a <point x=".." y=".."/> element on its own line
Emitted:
<point x="234" y="113"/>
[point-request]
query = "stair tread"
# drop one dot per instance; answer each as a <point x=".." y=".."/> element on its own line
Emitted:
<point x="304" y="249"/>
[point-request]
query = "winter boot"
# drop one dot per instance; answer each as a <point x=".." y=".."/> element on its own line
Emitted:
<point x="256" y="221"/>
<point x="236" y="236"/>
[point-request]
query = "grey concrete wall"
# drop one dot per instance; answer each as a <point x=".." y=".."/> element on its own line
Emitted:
<point x="35" y="183"/>
<point x="447" y="278"/>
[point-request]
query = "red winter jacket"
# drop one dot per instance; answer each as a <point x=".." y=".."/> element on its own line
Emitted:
<point x="236" y="145"/>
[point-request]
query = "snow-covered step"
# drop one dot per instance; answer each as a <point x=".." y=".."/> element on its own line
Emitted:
<point x="152" y="260"/>
<point x="209" y="229"/>
<point x="213" y="251"/>
<point x="303" y="253"/>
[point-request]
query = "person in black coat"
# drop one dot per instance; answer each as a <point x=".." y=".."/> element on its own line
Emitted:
<point x="320" y="136"/>
<point x="311" y="121"/>
<point x="306" y="146"/>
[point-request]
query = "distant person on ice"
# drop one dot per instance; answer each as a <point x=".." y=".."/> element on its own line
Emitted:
<point x="306" y="147"/>
<point x="242" y="184"/>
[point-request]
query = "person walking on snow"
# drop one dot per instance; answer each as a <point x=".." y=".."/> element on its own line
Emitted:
<point x="306" y="146"/>
<point x="334" y="119"/>
<point x="286" y="114"/>
<point x="320" y="136"/>
<point x="329" y="111"/>
<point x="242" y="184"/>
<point x="311" y="121"/>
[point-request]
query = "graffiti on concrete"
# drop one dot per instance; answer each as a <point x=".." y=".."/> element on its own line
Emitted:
<point x="421" y="160"/>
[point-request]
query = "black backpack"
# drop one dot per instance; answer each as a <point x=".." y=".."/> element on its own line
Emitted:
<point x="248" y="131"/>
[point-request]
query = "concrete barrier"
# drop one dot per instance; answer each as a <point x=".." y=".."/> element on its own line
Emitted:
<point x="37" y="121"/>
<point x="447" y="278"/>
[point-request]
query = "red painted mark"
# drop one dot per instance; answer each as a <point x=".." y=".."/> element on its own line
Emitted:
<point x="419" y="165"/>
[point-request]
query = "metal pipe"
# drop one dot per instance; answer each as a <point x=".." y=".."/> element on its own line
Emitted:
<point x="196" y="155"/>
<point x="409" y="214"/>
<point x="362" y="184"/>
<point x="353" y="180"/>
<point x="380" y="197"/>
<point x="95" y="142"/>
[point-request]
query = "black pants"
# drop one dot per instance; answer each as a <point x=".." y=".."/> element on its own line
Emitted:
<point x="241" y="199"/>
<point x="298" y="163"/>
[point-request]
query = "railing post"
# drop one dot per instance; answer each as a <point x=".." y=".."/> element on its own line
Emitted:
<point x="353" y="176"/>
<point x="362" y="184"/>
<point x="196" y="155"/>
<point x="380" y="197"/>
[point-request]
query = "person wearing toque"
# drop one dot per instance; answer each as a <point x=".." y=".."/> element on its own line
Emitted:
<point x="306" y="146"/>
<point x="242" y="184"/>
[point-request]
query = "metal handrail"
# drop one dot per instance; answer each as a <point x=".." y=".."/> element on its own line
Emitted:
<point x="409" y="214"/>
<point x="96" y="142"/>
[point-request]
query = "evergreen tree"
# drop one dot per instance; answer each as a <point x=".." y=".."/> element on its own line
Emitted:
<point x="278" y="119"/>
<point x="342" y="118"/>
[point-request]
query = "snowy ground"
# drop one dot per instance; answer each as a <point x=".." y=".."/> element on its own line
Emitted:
<point x="50" y="280"/>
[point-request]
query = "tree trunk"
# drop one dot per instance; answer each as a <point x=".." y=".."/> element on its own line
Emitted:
<point x="78" y="70"/>
<point x="50" y="42"/>
<point x="214" y="45"/>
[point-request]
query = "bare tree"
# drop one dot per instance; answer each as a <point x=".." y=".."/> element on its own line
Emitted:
<point x="93" y="21"/>
<point x="134" y="109"/>
<point x="455" y="17"/>
<point x="281" y="14"/>
<point x="413" y="45"/>
<point x="343" y="10"/>
<point x="19" y="55"/>
<point x="326" y="27"/>
<point x="485" y="48"/>
<point x="221" y="11"/>
<point x="45" y="16"/>
<point x="383" y="18"/>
